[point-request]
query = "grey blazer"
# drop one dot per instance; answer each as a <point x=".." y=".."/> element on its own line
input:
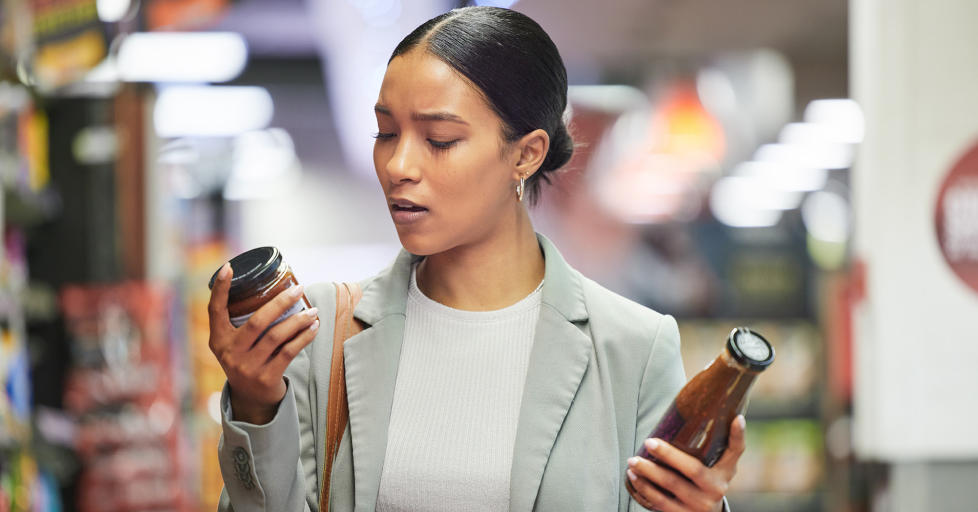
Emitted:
<point x="602" y="371"/>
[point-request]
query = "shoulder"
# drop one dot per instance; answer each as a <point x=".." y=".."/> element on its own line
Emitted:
<point x="323" y="295"/>
<point x="626" y="324"/>
<point x="613" y="310"/>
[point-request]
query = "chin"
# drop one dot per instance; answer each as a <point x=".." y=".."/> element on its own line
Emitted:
<point x="418" y="244"/>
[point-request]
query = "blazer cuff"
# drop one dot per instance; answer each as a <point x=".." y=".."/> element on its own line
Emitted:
<point x="254" y="458"/>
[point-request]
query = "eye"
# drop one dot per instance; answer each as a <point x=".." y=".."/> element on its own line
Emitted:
<point x="384" y="136"/>
<point x="437" y="144"/>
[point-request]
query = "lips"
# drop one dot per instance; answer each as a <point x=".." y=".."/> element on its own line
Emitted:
<point x="405" y="211"/>
<point x="405" y="205"/>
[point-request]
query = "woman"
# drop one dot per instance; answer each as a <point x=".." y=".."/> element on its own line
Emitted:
<point x="490" y="374"/>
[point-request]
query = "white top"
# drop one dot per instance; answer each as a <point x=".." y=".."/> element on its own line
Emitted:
<point x="456" y="404"/>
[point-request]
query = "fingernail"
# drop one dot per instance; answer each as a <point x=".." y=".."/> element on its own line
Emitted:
<point x="632" y="461"/>
<point x="296" y="291"/>
<point x="631" y="476"/>
<point x="223" y="274"/>
<point x="314" y="326"/>
<point x="311" y="312"/>
<point x="652" y="445"/>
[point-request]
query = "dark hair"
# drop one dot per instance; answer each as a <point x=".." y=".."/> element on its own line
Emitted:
<point x="517" y="67"/>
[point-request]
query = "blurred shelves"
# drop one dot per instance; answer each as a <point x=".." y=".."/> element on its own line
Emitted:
<point x="28" y="208"/>
<point x="777" y="502"/>
<point x="800" y="408"/>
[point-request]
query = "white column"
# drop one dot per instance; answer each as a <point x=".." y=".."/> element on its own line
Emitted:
<point x="914" y="68"/>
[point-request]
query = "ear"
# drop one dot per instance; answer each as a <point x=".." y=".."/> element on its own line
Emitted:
<point x="531" y="151"/>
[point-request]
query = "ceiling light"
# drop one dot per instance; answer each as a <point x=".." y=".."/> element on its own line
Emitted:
<point x="211" y="111"/>
<point x="182" y="57"/>
<point x="737" y="202"/>
<point x="843" y="117"/>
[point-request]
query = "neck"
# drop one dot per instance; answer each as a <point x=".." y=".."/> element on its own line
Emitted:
<point x="487" y="275"/>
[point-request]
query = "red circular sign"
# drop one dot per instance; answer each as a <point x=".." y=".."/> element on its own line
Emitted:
<point x="957" y="218"/>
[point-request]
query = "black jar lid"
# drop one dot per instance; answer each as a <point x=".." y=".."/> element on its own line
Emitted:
<point x="750" y="349"/>
<point x="252" y="270"/>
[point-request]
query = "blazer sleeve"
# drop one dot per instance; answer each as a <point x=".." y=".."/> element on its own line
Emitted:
<point x="663" y="378"/>
<point x="261" y="464"/>
<point x="263" y="467"/>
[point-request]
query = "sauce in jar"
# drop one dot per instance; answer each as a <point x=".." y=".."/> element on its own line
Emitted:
<point x="259" y="276"/>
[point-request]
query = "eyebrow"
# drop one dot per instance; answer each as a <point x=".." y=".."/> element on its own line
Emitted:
<point x="424" y="116"/>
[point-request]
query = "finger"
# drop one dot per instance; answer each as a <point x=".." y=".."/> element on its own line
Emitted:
<point x="682" y="462"/>
<point x="217" y="307"/>
<point x="736" y="445"/>
<point x="265" y="347"/>
<point x="289" y="350"/>
<point x="669" y="480"/>
<point x="256" y="325"/>
<point x="652" y="498"/>
<point x="636" y="495"/>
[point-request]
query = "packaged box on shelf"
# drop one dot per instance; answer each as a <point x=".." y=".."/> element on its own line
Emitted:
<point x="122" y="392"/>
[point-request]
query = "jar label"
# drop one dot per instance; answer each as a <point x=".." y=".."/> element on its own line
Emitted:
<point x="238" y="321"/>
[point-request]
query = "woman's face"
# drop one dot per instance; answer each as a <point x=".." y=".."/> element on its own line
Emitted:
<point x="446" y="172"/>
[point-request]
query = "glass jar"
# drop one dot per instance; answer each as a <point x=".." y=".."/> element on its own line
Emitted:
<point x="259" y="276"/>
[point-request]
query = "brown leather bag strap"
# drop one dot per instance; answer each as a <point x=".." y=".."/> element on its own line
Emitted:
<point x="337" y="410"/>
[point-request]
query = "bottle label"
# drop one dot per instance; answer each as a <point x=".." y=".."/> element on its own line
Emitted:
<point x="238" y="321"/>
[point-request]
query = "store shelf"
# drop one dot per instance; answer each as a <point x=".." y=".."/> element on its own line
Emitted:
<point x="776" y="502"/>
<point x="26" y="208"/>
<point x="800" y="408"/>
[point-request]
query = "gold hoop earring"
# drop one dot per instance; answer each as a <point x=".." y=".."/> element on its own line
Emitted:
<point x="520" y="189"/>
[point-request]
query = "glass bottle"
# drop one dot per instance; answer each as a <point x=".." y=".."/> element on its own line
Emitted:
<point x="698" y="420"/>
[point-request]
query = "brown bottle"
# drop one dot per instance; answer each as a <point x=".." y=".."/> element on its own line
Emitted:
<point x="698" y="421"/>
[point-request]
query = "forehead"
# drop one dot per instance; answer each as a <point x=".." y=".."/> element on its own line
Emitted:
<point x="418" y="82"/>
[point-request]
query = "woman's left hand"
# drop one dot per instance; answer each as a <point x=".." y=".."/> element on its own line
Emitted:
<point x="706" y="486"/>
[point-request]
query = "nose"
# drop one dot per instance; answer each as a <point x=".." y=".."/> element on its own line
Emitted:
<point x="404" y="164"/>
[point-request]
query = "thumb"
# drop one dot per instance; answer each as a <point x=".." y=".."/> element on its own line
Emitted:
<point x="217" y="307"/>
<point x="736" y="444"/>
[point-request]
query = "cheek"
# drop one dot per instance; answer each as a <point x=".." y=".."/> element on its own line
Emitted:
<point x="478" y="186"/>
<point x="380" y="165"/>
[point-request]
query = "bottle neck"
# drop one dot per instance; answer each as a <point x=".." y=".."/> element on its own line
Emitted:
<point x="738" y="384"/>
<point x="728" y="359"/>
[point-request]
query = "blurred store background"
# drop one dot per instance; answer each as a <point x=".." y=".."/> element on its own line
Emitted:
<point x="804" y="167"/>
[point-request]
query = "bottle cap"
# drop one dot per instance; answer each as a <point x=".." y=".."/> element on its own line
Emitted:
<point x="750" y="349"/>
<point x="251" y="269"/>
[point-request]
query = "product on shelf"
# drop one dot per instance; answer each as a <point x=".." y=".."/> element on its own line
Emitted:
<point x="122" y="394"/>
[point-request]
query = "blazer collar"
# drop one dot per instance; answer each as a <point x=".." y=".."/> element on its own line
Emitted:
<point x="559" y="357"/>
<point x="386" y="294"/>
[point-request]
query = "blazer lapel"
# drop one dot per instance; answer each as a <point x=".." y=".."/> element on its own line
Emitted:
<point x="370" y="360"/>
<point x="560" y="355"/>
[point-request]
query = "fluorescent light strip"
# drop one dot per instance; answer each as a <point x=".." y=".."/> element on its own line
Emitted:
<point x="211" y="111"/>
<point x="182" y="57"/>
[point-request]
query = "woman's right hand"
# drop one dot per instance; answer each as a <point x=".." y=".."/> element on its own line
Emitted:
<point x="254" y="363"/>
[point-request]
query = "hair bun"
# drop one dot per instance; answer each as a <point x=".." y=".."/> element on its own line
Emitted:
<point x="561" y="149"/>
